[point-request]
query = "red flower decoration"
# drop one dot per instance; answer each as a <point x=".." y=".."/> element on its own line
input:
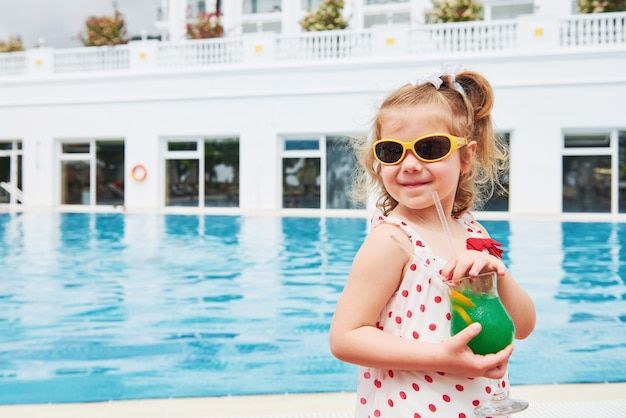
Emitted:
<point x="480" y="244"/>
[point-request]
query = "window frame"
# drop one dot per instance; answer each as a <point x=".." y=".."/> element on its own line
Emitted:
<point x="611" y="151"/>
<point x="197" y="154"/>
<point x="91" y="158"/>
<point x="14" y="153"/>
<point x="320" y="153"/>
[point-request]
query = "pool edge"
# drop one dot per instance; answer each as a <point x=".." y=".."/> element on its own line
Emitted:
<point x="580" y="398"/>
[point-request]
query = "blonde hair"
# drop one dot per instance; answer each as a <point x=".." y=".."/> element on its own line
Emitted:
<point x="469" y="117"/>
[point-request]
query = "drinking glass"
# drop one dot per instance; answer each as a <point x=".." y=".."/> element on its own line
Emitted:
<point x="475" y="299"/>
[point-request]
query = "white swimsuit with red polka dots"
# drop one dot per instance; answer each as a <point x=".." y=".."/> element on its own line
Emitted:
<point x="419" y="310"/>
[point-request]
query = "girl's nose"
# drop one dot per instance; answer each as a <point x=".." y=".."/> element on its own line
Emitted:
<point x="411" y="162"/>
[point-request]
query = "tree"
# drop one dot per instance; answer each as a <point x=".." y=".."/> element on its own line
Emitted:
<point x="13" y="44"/>
<point x="207" y="25"/>
<point x="601" y="6"/>
<point x="326" y="17"/>
<point x="105" y="30"/>
<point x="446" y="11"/>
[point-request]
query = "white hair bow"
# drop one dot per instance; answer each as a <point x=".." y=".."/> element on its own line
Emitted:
<point x="450" y="70"/>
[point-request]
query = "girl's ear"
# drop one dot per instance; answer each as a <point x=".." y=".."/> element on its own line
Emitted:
<point x="467" y="156"/>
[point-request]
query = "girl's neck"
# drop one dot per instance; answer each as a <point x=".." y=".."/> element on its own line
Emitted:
<point x="428" y="217"/>
<point x="428" y="225"/>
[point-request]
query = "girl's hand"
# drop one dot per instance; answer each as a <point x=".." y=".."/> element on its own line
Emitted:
<point x="464" y="362"/>
<point x="472" y="263"/>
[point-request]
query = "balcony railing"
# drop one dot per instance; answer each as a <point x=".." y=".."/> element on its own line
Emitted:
<point x="593" y="30"/>
<point x="12" y="63"/>
<point x="328" y="45"/>
<point x="199" y="53"/>
<point x="579" y="32"/>
<point x="80" y="60"/>
<point x="465" y="37"/>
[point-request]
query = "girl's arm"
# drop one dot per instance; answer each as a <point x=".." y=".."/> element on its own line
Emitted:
<point x="354" y="337"/>
<point x="518" y="304"/>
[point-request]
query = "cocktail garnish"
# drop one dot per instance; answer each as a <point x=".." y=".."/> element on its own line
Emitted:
<point x="459" y="297"/>
<point x="463" y="314"/>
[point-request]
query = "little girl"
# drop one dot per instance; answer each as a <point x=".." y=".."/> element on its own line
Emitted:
<point x="393" y="317"/>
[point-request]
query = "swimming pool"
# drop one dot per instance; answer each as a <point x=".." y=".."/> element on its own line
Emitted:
<point x="129" y="306"/>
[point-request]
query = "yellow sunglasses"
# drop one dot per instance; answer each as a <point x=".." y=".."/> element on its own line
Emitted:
<point x="428" y="148"/>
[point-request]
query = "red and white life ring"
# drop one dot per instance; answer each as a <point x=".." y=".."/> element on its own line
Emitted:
<point x="139" y="172"/>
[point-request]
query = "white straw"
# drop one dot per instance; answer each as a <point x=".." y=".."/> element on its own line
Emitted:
<point x="444" y="221"/>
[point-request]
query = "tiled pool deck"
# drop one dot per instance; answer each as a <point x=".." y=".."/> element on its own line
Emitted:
<point x="546" y="401"/>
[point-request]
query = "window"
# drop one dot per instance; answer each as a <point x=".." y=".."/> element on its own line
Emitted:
<point x="500" y="199"/>
<point x="109" y="173"/>
<point x="396" y="17"/>
<point x="594" y="172"/>
<point x="92" y="172"/>
<point x="587" y="183"/>
<point x="310" y="4"/>
<point x="317" y="173"/>
<point x="202" y="172"/>
<point x="10" y="172"/>
<point x="340" y="165"/>
<point x="261" y="6"/>
<point x="622" y="172"/>
<point x="195" y="7"/>
<point x="385" y="1"/>
<point x="508" y="10"/>
<point x="221" y="172"/>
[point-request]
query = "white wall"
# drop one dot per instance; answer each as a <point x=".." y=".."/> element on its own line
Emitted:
<point x="537" y="97"/>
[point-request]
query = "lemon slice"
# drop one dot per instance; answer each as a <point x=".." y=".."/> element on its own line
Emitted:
<point x="463" y="314"/>
<point x="460" y="298"/>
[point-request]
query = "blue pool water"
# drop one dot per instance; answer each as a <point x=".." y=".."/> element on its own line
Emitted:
<point x="113" y="306"/>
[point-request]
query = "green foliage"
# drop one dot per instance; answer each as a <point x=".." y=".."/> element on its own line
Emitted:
<point x="13" y="44"/>
<point x="445" y="11"/>
<point x="105" y="30"/>
<point x="601" y="6"/>
<point x="207" y="25"/>
<point x="327" y="17"/>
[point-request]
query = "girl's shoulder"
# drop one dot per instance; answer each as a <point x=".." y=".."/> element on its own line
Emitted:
<point x="480" y="239"/>
<point x="381" y="221"/>
<point x="379" y="218"/>
<point x="470" y="223"/>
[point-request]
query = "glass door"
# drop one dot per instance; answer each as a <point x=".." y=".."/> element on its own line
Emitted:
<point x="202" y="172"/>
<point x="317" y="173"/>
<point x="92" y="172"/>
<point x="109" y="162"/>
<point x="11" y="172"/>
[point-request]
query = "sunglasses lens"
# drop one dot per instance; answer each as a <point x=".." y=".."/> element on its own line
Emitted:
<point x="433" y="148"/>
<point x="389" y="152"/>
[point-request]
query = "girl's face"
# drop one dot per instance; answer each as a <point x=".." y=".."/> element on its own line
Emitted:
<point x="411" y="181"/>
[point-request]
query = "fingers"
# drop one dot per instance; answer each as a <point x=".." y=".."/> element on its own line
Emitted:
<point x="493" y="366"/>
<point x="465" y="336"/>
<point x="472" y="263"/>
<point x="496" y="373"/>
<point x="497" y="363"/>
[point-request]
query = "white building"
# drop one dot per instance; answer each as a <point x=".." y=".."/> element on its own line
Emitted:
<point x="259" y="120"/>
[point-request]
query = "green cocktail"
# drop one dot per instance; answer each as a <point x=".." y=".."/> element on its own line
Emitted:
<point x="498" y="329"/>
<point x="475" y="299"/>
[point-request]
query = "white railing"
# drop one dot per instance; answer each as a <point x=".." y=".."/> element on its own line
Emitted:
<point x="328" y="45"/>
<point x="13" y="63"/>
<point x="579" y="32"/>
<point x="79" y="60"/>
<point x="464" y="37"/>
<point x="593" y="30"/>
<point x="206" y="52"/>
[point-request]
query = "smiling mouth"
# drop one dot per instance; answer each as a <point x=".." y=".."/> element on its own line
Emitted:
<point x="414" y="185"/>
